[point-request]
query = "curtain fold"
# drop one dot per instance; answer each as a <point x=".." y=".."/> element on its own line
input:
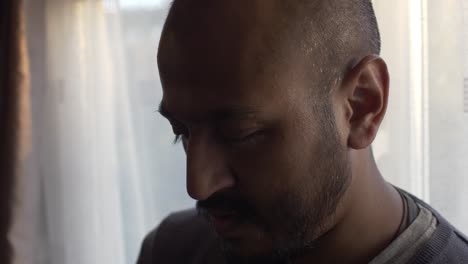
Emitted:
<point x="14" y="115"/>
<point x="83" y="145"/>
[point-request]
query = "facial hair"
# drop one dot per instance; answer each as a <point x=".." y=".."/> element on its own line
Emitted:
<point x="303" y="214"/>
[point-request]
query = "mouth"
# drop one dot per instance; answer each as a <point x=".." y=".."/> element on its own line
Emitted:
<point x="224" y="223"/>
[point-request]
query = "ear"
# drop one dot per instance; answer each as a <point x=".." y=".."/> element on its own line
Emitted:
<point x="364" y="93"/>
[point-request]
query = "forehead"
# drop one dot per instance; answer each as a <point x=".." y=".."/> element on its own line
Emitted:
<point x="231" y="37"/>
<point x="223" y="53"/>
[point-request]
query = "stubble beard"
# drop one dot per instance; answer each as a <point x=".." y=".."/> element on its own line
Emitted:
<point x="305" y="219"/>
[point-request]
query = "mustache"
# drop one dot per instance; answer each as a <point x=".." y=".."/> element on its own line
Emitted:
<point x="226" y="202"/>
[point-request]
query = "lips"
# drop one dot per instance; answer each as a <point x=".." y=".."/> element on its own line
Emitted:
<point x="224" y="222"/>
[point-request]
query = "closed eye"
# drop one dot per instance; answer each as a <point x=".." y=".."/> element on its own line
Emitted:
<point x="180" y="132"/>
<point x="246" y="140"/>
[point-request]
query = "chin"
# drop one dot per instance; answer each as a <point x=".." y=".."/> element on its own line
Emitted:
<point x="253" y="250"/>
<point x="246" y="251"/>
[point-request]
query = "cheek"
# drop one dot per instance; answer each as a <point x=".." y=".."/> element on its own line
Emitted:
<point x="278" y="166"/>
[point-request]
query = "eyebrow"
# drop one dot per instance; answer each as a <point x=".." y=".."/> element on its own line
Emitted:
<point x="216" y="116"/>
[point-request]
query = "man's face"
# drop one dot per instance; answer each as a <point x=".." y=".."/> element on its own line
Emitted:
<point x="255" y="125"/>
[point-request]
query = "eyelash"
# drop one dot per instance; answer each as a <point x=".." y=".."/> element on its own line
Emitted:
<point x="177" y="139"/>
<point x="179" y="131"/>
<point x="249" y="139"/>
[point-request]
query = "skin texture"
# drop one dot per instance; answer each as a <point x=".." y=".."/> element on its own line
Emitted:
<point x="291" y="169"/>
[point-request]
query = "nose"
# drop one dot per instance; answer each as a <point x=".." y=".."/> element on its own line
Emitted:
<point x="207" y="168"/>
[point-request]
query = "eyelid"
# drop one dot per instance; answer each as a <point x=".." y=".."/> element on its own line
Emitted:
<point x="248" y="140"/>
<point x="239" y="134"/>
<point x="179" y="130"/>
<point x="236" y="131"/>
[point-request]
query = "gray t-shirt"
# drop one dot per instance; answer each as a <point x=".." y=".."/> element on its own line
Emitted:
<point x="410" y="239"/>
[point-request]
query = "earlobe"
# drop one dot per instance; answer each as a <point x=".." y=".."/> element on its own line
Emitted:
<point x="367" y="87"/>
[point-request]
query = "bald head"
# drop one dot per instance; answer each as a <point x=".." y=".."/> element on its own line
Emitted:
<point x="325" y="36"/>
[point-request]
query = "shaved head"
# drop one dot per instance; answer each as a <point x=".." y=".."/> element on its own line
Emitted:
<point x="333" y="35"/>
<point x="329" y="36"/>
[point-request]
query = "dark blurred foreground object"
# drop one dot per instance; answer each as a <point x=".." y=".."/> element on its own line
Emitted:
<point x="14" y="114"/>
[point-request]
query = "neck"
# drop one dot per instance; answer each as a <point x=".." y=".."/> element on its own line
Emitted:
<point x="367" y="218"/>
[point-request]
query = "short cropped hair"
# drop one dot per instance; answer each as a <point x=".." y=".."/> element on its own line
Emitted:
<point x="333" y="35"/>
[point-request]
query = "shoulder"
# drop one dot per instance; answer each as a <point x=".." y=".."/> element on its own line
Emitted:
<point x="182" y="237"/>
<point x="447" y="244"/>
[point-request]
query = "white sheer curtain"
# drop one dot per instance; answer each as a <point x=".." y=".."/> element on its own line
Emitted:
<point x="82" y="156"/>
<point x="100" y="152"/>
<point x="103" y="170"/>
